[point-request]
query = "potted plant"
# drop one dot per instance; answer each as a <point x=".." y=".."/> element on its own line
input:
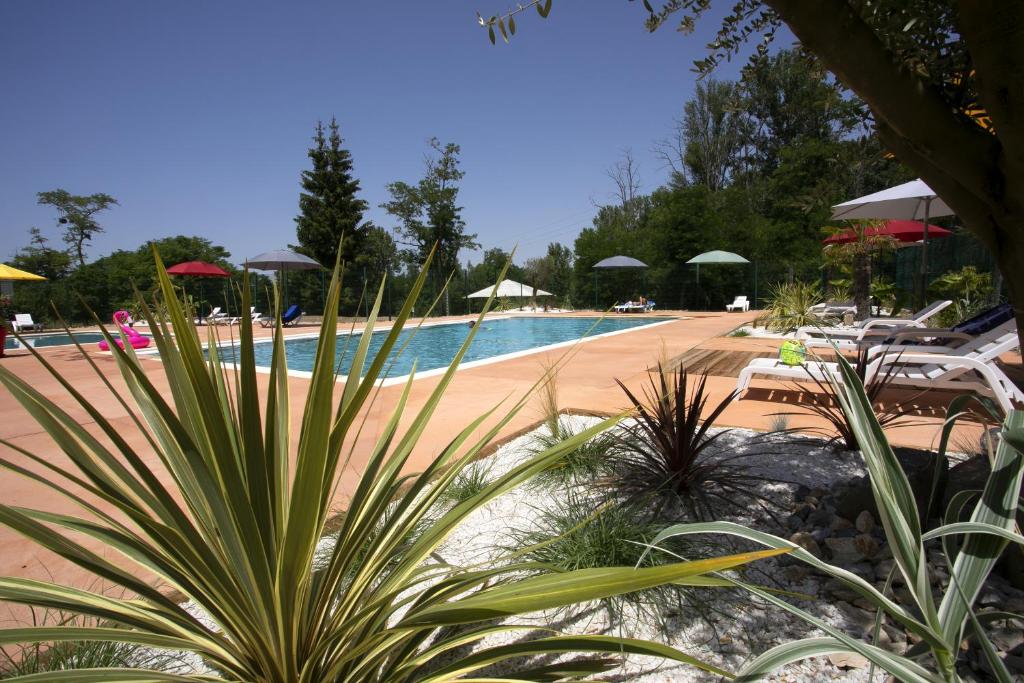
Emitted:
<point x="6" y="313"/>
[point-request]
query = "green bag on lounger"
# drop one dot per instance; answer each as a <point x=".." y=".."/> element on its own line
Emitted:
<point x="793" y="352"/>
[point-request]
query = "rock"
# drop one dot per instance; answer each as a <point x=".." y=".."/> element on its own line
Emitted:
<point x="840" y="591"/>
<point x="796" y="573"/>
<point x="840" y="523"/>
<point x="849" y="532"/>
<point x="794" y="522"/>
<point x="882" y="569"/>
<point x="866" y="545"/>
<point x="820" y="535"/>
<point x="802" y="491"/>
<point x="844" y="550"/>
<point x="820" y="518"/>
<point x="807" y="542"/>
<point x="847" y="660"/>
<point x="865" y="522"/>
<point x="919" y="467"/>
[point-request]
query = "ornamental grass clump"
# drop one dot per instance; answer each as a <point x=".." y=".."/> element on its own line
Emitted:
<point x="227" y="516"/>
<point x="579" y="531"/>
<point x="938" y="624"/>
<point x="666" y="453"/>
<point x="587" y="461"/>
<point x="790" y="306"/>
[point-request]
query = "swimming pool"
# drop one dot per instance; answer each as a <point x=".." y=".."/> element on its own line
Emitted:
<point x="56" y="339"/>
<point x="435" y="346"/>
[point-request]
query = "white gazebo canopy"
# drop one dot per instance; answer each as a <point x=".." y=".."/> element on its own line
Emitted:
<point x="509" y="288"/>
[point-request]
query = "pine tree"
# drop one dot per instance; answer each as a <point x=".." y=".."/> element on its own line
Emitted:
<point x="329" y="206"/>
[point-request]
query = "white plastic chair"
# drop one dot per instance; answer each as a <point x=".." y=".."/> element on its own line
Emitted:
<point x="23" y="321"/>
<point x="739" y="302"/>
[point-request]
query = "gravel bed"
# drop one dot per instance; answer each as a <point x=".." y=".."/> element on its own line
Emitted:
<point x="742" y="627"/>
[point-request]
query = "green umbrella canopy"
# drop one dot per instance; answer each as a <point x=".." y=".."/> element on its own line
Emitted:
<point x="718" y="257"/>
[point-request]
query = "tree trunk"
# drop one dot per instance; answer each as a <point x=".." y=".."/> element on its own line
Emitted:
<point x="862" y="285"/>
<point x="1010" y="260"/>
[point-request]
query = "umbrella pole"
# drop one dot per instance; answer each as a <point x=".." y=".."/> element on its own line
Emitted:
<point x="924" y="254"/>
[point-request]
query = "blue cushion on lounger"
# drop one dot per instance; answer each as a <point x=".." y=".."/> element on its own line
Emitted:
<point x="986" y="320"/>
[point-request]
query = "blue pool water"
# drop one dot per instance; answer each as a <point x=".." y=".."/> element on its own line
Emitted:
<point x="435" y="346"/>
<point x="58" y="339"/>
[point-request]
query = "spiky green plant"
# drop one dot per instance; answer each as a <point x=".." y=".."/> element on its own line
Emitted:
<point x="789" y="306"/>
<point x="665" y="454"/>
<point x="587" y="461"/>
<point x="940" y="625"/>
<point x="236" y="528"/>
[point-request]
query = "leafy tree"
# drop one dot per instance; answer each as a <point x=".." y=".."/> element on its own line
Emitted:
<point x="428" y="213"/>
<point x="789" y="99"/>
<point x="941" y="81"/>
<point x="40" y="258"/>
<point x="76" y="213"/>
<point x="708" y="139"/>
<point x="328" y="205"/>
<point x="552" y="272"/>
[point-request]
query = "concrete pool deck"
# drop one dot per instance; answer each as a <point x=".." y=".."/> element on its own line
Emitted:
<point x="585" y="383"/>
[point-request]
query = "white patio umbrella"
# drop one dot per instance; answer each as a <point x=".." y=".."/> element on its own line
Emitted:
<point x="509" y="289"/>
<point x="913" y="201"/>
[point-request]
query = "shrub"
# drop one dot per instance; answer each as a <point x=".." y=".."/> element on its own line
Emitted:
<point x="969" y="291"/>
<point x="789" y="307"/>
<point x="665" y="451"/>
<point x="580" y="533"/>
<point x="585" y="462"/>
<point x="242" y="543"/>
<point x="940" y="623"/>
<point x="41" y="658"/>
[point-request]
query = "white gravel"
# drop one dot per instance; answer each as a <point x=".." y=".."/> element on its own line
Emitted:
<point x="743" y="628"/>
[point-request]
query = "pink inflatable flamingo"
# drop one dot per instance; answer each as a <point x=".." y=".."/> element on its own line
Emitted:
<point x="121" y="318"/>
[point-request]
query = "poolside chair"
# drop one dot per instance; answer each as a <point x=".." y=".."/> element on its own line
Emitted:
<point x="214" y="317"/>
<point x="994" y="318"/>
<point x="291" y="316"/>
<point x="253" y="316"/>
<point x="23" y="322"/>
<point x="739" y="303"/>
<point x="833" y="309"/>
<point x="860" y="329"/>
<point x="969" y="367"/>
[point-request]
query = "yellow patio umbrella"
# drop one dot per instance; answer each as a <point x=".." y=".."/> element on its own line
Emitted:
<point x="10" y="273"/>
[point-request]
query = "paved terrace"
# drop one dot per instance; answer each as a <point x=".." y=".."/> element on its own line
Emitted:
<point x="587" y="383"/>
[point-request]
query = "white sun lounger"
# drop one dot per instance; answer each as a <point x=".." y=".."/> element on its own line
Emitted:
<point x="914" y="339"/>
<point x="969" y="367"/>
<point x="874" y="325"/>
<point x="739" y="303"/>
<point x="23" y="322"/>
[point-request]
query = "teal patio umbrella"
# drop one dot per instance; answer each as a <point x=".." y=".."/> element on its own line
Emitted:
<point x="615" y="262"/>
<point x="718" y="256"/>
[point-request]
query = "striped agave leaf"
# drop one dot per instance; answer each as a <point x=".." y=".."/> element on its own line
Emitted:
<point x="232" y="516"/>
<point x="992" y="526"/>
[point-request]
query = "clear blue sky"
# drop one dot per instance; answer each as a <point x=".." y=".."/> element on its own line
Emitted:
<point x="196" y="115"/>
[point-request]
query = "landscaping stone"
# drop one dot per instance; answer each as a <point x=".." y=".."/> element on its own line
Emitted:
<point x="807" y="542"/>
<point x="866" y="545"/>
<point x="865" y="522"/>
<point x="919" y="467"/>
<point x="843" y="550"/>
<point x="847" y="660"/>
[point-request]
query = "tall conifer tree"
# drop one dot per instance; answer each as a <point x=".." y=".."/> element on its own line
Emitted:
<point x="328" y="205"/>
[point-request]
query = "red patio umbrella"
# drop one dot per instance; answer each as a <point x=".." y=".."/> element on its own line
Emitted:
<point x="198" y="269"/>
<point x="902" y="231"/>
